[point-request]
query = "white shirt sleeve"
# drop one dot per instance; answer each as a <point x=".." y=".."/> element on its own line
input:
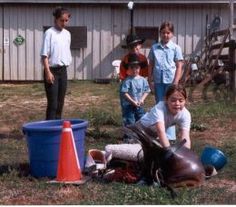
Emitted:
<point x="155" y="115"/>
<point x="46" y="44"/>
<point x="185" y="120"/>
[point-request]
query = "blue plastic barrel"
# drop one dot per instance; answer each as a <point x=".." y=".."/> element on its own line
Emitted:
<point x="213" y="156"/>
<point x="43" y="141"/>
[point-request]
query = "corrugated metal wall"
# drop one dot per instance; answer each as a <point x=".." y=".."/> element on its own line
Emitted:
<point x="107" y="26"/>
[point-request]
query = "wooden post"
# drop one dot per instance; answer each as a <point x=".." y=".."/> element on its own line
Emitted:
<point x="232" y="59"/>
<point x="234" y="75"/>
<point x="231" y="20"/>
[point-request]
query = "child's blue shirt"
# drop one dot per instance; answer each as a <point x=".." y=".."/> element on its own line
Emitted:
<point x="135" y="87"/>
<point x="164" y="59"/>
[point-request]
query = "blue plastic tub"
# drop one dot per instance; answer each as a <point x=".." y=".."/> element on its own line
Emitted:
<point x="213" y="156"/>
<point x="43" y="141"/>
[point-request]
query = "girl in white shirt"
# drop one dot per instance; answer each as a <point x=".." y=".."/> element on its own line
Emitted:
<point x="166" y="113"/>
<point x="56" y="57"/>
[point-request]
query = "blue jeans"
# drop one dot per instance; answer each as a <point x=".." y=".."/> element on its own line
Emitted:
<point x="131" y="114"/>
<point x="160" y="90"/>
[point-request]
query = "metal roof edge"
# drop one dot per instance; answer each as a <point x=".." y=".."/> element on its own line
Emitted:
<point x="114" y="2"/>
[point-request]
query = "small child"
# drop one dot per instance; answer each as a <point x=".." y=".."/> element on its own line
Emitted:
<point x="134" y="90"/>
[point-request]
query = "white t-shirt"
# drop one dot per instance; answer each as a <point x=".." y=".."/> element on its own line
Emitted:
<point x="56" y="46"/>
<point x="160" y="113"/>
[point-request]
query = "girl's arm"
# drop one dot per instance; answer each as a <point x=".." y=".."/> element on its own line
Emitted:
<point x="48" y="74"/>
<point x="129" y="98"/>
<point x="150" y="75"/>
<point x="178" y="72"/>
<point x="161" y="132"/>
<point x="184" y="134"/>
<point x="150" y="72"/>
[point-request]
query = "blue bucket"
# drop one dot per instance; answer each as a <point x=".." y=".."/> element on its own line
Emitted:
<point x="213" y="156"/>
<point x="43" y="141"/>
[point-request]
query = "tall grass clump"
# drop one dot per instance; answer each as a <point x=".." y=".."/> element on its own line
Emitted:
<point x="213" y="109"/>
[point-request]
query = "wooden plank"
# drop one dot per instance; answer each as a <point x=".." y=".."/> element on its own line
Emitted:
<point x="217" y="46"/>
<point x="219" y="33"/>
<point x="221" y="57"/>
<point x="212" y="67"/>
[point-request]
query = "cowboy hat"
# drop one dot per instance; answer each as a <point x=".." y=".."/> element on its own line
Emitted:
<point x="133" y="59"/>
<point x="132" y="39"/>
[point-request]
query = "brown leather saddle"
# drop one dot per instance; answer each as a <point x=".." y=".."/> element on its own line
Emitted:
<point x="177" y="166"/>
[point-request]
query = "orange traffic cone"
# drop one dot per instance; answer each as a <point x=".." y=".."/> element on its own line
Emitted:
<point x="68" y="171"/>
<point x="68" y="163"/>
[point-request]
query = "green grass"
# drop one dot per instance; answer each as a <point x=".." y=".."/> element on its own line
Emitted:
<point x="99" y="104"/>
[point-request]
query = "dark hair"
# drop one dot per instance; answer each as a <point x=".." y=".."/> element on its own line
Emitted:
<point x="168" y="25"/>
<point x="59" y="11"/>
<point x="173" y="88"/>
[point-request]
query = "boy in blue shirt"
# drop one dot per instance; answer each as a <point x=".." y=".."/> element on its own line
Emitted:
<point x="134" y="91"/>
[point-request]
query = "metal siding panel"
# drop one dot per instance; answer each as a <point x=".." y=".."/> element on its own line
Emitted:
<point x="21" y="49"/>
<point x="117" y="30"/>
<point x="106" y="42"/>
<point x="76" y="68"/>
<point x="181" y="28"/>
<point x="30" y="61"/>
<point x="224" y="12"/>
<point x="196" y="34"/>
<point x="6" y="31"/>
<point x="117" y="1"/>
<point x="88" y="21"/>
<point x="13" y="47"/>
<point x="96" y="42"/>
<point x="1" y="43"/>
<point x="189" y="30"/>
<point x="174" y="20"/>
<point x="125" y="28"/>
<point x="107" y="27"/>
<point x="42" y="17"/>
<point x="39" y="14"/>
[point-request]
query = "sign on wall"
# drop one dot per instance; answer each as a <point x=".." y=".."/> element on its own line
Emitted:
<point x="78" y="36"/>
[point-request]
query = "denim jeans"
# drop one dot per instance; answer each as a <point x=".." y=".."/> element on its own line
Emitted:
<point x="131" y="114"/>
<point x="56" y="93"/>
<point x="160" y="90"/>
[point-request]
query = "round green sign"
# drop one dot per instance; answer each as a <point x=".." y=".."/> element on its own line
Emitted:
<point x="19" y="40"/>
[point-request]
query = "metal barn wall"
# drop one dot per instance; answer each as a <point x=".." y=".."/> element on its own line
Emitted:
<point x="1" y="44"/>
<point x="107" y="26"/>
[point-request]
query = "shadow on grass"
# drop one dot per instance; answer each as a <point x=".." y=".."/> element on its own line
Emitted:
<point x="22" y="169"/>
<point x="12" y="135"/>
